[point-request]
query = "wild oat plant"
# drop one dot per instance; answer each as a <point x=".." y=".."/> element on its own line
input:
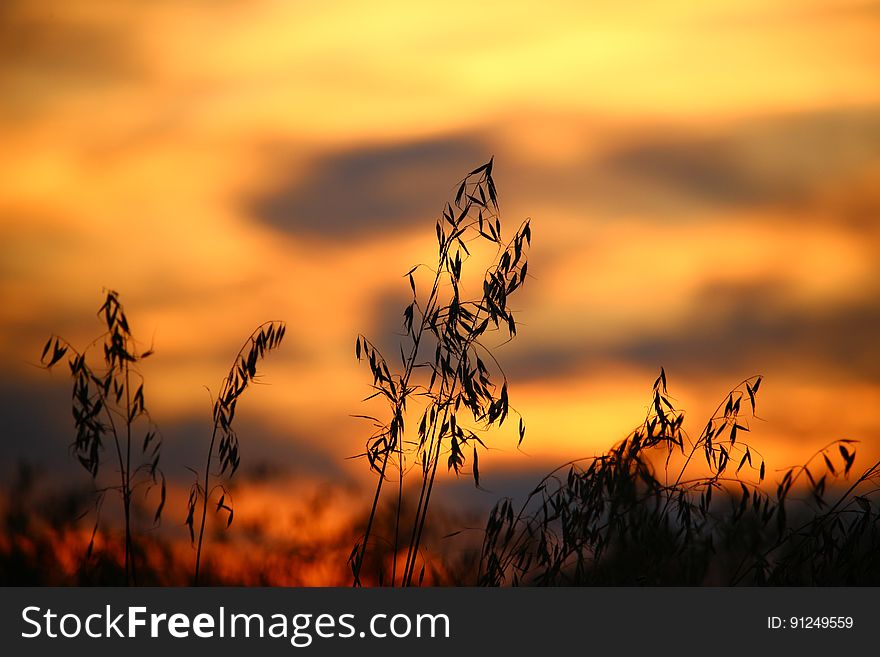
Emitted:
<point x="223" y="447"/>
<point x="618" y="519"/>
<point x="447" y="370"/>
<point x="109" y="411"/>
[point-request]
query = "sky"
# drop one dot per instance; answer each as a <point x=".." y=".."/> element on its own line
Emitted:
<point x="701" y="178"/>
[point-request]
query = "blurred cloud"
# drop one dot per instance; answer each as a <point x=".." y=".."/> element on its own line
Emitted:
<point x="754" y="327"/>
<point x="369" y="190"/>
<point x="50" y="52"/>
<point x="706" y="169"/>
<point x="762" y="161"/>
<point x="750" y="326"/>
<point x="38" y="428"/>
<point x="863" y="9"/>
<point x="679" y="172"/>
<point x="661" y="173"/>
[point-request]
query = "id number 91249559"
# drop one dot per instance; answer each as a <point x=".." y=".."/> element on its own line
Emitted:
<point x="810" y="623"/>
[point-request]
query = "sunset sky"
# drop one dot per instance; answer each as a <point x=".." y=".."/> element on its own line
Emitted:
<point x="703" y="181"/>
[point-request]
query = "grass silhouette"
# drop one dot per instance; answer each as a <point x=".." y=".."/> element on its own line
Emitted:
<point x="618" y="519"/>
<point x="224" y="440"/>
<point x="108" y="405"/>
<point x="462" y="387"/>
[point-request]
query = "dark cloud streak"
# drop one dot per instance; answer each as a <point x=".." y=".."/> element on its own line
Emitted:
<point x="369" y="191"/>
<point x="731" y="328"/>
<point x="762" y="161"/>
<point x="37" y="428"/>
<point x="46" y="50"/>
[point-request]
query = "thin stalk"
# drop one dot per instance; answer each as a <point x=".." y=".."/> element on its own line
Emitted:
<point x="410" y="554"/>
<point x="420" y="522"/>
<point x="129" y="557"/>
<point x="359" y="562"/>
<point x="412" y="548"/>
<point x="204" y="505"/>
<point x="428" y="481"/>
<point x="397" y="515"/>
<point x="122" y="470"/>
<point x="118" y="406"/>
<point x="123" y="484"/>
<point x="451" y="343"/>
<point x="264" y="338"/>
<point x="404" y="382"/>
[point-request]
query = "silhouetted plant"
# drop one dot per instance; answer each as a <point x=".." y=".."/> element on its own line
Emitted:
<point x="108" y="404"/>
<point x="462" y="385"/>
<point x="613" y="519"/>
<point x="224" y="440"/>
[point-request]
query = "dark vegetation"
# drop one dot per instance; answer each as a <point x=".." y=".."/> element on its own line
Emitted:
<point x="108" y="407"/>
<point x="224" y="440"/>
<point x="658" y="508"/>
<point x="619" y="519"/>
<point x="446" y="369"/>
